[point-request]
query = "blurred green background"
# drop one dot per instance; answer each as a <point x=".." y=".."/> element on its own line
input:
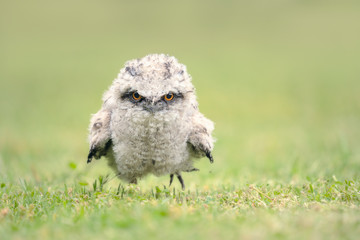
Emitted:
<point x="279" y="78"/>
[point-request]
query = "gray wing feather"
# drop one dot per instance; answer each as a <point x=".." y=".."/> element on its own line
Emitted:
<point x="99" y="134"/>
<point x="200" y="137"/>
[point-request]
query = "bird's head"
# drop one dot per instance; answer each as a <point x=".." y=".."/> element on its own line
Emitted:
<point x="154" y="83"/>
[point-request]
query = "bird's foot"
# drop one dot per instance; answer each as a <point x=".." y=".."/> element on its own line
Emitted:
<point x="171" y="179"/>
<point x="181" y="180"/>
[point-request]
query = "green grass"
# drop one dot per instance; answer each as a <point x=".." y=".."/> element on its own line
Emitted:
<point x="280" y="79"/>
<point x="324" y="208"/>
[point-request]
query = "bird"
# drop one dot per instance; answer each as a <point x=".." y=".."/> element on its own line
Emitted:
<point x="150" y="122"/>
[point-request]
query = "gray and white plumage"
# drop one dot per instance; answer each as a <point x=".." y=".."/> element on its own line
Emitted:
<point x="149" y="122"/>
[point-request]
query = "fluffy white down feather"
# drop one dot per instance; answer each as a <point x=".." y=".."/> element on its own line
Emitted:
<point x="161" y="141"/>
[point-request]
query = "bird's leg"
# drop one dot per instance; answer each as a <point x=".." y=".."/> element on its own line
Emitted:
<point x="181" y="180"/>
<point x="209" y="156"/>
<point x="171" y="179"/>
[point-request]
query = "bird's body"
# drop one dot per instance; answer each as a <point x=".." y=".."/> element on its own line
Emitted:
<point x="149" y="122"/>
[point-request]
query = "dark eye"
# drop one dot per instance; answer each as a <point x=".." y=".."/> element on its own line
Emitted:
<point x="168" y="97"/>
<point x="136" y="96"/>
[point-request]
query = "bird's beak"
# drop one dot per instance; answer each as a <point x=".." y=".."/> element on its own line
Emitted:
<point x="153" y="107"/>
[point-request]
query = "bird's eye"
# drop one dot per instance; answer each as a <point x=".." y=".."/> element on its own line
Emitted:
<point x="168" y="97"/>
<point x="136" y="96"/>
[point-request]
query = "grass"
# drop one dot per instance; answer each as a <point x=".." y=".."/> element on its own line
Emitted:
<point x="279" y="79"/>
<point x="325" y="208"/>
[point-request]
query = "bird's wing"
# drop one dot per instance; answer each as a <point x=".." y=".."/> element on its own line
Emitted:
<point x="99" y="134"/>
<point x="200" y="136"/>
